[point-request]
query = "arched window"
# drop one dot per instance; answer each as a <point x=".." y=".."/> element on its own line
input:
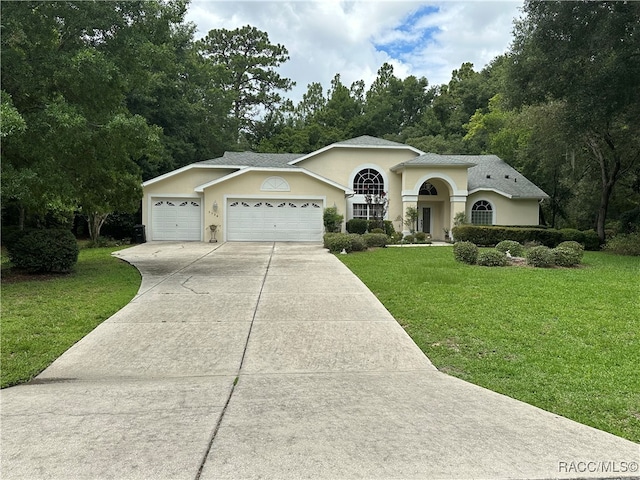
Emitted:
<point x="427" y="189"/>
<point x="482" y="213"/>
<point x="368" y="180"/>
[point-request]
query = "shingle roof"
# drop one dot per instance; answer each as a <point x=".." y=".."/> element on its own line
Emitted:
<point x="252" y="159"/>
<point x="491" y="172"/>
<point x="486" y="172"/>
<point x="435" y="159"/>
<point x="369" y="141"/>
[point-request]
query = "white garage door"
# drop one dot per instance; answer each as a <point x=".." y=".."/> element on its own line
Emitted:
<point x="274" y="220"/>
<point x="176" y="219"/>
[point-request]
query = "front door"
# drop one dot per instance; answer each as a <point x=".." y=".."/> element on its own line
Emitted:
<point x="426" y="219"/>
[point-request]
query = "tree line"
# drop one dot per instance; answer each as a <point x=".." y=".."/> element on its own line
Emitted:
<point x="99" y="96"/>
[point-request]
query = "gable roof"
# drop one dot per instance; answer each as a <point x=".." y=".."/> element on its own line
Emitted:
<point x="252" y="159"/>
<point x="369" y="141"/>
<point x="304" y="171"/>
<point x="435" y="159"/>
<point x="491" y="173"/>
<point x="364" y="141"/>
<point x="485" y="172"/>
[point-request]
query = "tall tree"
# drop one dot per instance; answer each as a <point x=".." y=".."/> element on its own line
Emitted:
<point x="243" y="65"/>
<point x="69" y="83"/>
<point x="586" y="54"/>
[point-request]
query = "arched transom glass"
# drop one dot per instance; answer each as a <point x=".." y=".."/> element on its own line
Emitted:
<point x="482" y="213"/>
<point x="427" y="189"/>
<point x="368" y="181"/>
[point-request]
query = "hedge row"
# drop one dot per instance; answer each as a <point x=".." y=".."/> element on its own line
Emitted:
<point x="362" y="226"/>
<point x="352" y="242"/>
<point x="492" y="235"/>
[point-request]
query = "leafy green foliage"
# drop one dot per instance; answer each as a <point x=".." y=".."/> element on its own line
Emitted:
<point x="375" y="239"/>
<point x="411" y="215"/>
<point x="492" y="235"/>
<point x="244" y="61"/>
<point x="465" y="252"/>
<point x="357" y="225"/>
<point x="578" y="247"/>
<point x="567" y="256"/>
<point x="332" y="220"/>
<point x="349" y="242"/>
<point x="591" y="240"/>
<point x="624" y="244"/>
<point x="540" y="256"/>
<point x="511" y="246"/>
<point x="40" y="251"/>
<point x="584" y="55"/>
<point x="492" y="258"/>
<point x="572" y="235"/>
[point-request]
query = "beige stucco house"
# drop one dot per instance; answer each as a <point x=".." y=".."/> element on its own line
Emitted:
<point x="281" y="197"/>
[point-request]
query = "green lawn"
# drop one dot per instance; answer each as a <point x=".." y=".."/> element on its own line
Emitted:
<point x="565" y="340"/>
<point x="44" y="316"/>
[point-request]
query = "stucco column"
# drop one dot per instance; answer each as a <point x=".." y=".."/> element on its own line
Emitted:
<point x="458" y="204"/>
<point x="408" y="201"/>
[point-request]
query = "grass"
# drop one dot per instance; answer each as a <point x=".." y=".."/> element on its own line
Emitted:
<point x="42" y="316"/>
<point x="565" y="340"/>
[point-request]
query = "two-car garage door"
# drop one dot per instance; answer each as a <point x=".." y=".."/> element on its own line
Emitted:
<point x="274" y="220"/>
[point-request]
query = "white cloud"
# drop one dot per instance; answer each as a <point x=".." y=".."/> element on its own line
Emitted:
<point x="326" y="37"/>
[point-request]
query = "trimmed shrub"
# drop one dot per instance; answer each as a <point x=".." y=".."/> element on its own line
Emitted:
<point x="350" y="242"/>
<point x="336" y="242"/>
<point x="567" y="256"/>
<point x="420" y="236"/>
<point x="376" y="230"/>
<point x="357" y="242"/>
<point x="492" y="235"/>
<point x="396" y="237"/>
<point x="332" y="220"/>
<point x="624" y="244"/>
<point x="409" y="238"/>
<point x="40" y="251"/>
<point x="357" y="225"/>
<point x="541" y="257"/>
<point x="388" y="228"/>
<point x="513" y="247"/>
<point x="465" y="252"/>
<point x="591" y="240"/>
<point x="571" y="244"/>
<point x="571" y="234"/>
<point x="376" y="239"/>
<point x="492" y="258"/>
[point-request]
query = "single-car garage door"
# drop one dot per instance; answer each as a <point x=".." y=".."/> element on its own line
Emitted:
<point x="176" y="219"/>
<point x="274" y="220"/>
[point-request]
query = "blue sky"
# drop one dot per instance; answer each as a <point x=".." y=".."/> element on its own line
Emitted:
<point x="354" y="38"/>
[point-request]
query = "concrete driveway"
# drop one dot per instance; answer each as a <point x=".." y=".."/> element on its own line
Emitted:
<point x="267" y="360"/>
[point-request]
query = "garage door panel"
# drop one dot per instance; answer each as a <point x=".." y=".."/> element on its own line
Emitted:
<point x="177" y="219"/>
<point x="274" y="220"/>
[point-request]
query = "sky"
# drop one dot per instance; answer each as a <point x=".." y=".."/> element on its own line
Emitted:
<point x="354" y="38"/>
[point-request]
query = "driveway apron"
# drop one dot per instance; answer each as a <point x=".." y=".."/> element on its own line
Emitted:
<point x="272" y="360"/>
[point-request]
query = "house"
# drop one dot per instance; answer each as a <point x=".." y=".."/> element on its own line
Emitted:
<point x="281" y="197"/>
